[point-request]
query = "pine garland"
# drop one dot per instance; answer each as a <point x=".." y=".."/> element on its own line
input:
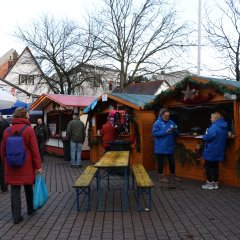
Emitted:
<point x="185" y="156"/>
<point x="176" y="90"/>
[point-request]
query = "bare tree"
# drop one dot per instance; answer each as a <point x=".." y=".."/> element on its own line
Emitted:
<point x="59" y="46"/>
<point x="139" y="39"/>
<point x="224" y="34"/>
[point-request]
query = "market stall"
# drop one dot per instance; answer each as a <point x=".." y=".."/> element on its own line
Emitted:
<point x="57" y="112"/>
<point x="191" y="102"/>
<point x="134" y="124"/>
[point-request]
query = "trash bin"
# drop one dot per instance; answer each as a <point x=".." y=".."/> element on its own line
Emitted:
<point x="66" y="149"/>
<point x="120" y="145"/>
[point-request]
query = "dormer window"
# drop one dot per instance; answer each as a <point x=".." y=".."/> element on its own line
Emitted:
<point x="26" y="79"/>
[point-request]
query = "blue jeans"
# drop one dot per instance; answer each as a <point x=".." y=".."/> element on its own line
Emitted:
<point x="76" y="149"/>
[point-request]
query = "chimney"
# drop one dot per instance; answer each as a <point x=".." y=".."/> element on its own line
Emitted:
<point x="14" y="56"/>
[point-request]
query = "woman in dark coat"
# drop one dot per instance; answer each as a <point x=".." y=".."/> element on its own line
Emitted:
<point x="25" y="174"/>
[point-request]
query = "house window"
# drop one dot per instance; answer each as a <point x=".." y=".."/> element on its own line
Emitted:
<point x="26" y="79"/>
<point x="97" y="80"/>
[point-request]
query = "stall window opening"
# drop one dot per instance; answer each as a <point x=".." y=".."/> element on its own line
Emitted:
<point x="196" y="119"/>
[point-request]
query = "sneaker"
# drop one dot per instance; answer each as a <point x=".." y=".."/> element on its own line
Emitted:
<point x="208" y="185"/>
<point x="215" y="185"/>
<point x="163" y="180"/>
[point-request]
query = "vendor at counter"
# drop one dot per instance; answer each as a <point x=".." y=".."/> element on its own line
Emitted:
<point x="108" y="133"/>
<point x="214" y="148"/>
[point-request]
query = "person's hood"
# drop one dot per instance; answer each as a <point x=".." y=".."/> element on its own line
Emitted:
<point x="221" y="123"/>
<point x="20" y="121"/>
<point x="161" y="119"/>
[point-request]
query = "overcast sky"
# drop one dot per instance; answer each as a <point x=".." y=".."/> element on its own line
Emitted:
<point x="16" y="12"/>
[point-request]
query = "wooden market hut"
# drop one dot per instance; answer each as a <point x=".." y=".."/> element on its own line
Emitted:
<point x="138" y="129"/>
<point x="58" y="110"/>
<point x="191" y="102"/>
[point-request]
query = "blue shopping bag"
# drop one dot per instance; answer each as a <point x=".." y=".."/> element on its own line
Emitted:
<point x="40" y="193"/>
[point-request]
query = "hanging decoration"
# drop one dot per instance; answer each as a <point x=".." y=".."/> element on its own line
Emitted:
<point x="122" y="120"/>
<point x="191" y="95"/>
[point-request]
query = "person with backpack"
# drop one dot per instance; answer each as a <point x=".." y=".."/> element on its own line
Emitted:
<point x="42" y="135"/>
<point x="3" y="125"/>
<point x="21" y="160"/>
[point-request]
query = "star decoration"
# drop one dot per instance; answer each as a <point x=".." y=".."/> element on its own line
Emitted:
<point x="187" y="93"/>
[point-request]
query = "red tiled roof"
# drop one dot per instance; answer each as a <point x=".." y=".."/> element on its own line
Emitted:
<point x="71" y="100"/>
<point x="64" y="100"/>
<point x="145" y="88"/>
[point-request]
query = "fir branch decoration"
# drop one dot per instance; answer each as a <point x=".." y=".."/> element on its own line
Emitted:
<point x="185" y="156"/>
<point x="135" y="125"/>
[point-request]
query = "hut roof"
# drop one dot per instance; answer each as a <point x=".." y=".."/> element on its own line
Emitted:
<point x="135" y="101"/>
<point x="145" y="88"/>
<point x="63" y="100"/>
<point x="222" y="86"/>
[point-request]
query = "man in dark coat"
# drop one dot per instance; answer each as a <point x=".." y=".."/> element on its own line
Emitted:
<point x="42" y="135"/>
<point x="3" y="125"/>
<point x="76" y="134"/>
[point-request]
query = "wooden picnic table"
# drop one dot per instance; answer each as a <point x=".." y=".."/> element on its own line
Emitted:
<point x="109" y="161"/>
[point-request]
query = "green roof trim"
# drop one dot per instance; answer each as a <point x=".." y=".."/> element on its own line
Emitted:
<point x="136" y="99"/>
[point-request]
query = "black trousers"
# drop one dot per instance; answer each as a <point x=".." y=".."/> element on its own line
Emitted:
<point x="212" y="170"/>
<point x="16" y="200"/>
<point x="160" y="162"/>
<point x="3" y="185"/>
<point x="41" y="147"/>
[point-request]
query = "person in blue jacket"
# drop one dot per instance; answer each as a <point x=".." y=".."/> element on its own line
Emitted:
<point x="214" y="148"/>
<point x="164" y="132"/>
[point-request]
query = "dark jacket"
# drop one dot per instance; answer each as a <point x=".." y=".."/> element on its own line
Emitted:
<point x="41" y="132"/>
<point x="108" y="133"/>
<point x="76" y="131"/>
<point x="3" y="125"/>
<point x="164" y="142"/>
<point x="24" y="175"/>
<point x="215" y="141"/>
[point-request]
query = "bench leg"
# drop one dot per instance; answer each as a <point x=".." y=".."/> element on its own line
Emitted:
<point x="77" y="192"/>
<point x="149" y="198"/>
<point x="138" y="199"/>
<point x="126" y="185"/>
<point x="86" y="191"/>
<point x="141" y="191"/>
<point x="89" y="198"/>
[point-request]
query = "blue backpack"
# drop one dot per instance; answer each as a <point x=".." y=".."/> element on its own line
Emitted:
<point x="15" y="152"/>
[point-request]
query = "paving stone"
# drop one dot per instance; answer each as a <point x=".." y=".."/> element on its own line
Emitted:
<point x="182" y="213"/>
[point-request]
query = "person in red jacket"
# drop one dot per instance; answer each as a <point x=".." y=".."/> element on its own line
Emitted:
<point x="24" y="175"/>
<point x="108" y="133"/>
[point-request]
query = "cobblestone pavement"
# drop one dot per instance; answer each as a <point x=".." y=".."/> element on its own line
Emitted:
<point x="180" y="211"/>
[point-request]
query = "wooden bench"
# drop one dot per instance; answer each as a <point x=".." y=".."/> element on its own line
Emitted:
<point x="82" y="185"/>
<point x="144" y="184"/>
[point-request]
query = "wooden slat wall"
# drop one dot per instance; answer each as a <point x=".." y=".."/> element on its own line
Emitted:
<point x="147" y="141"/>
